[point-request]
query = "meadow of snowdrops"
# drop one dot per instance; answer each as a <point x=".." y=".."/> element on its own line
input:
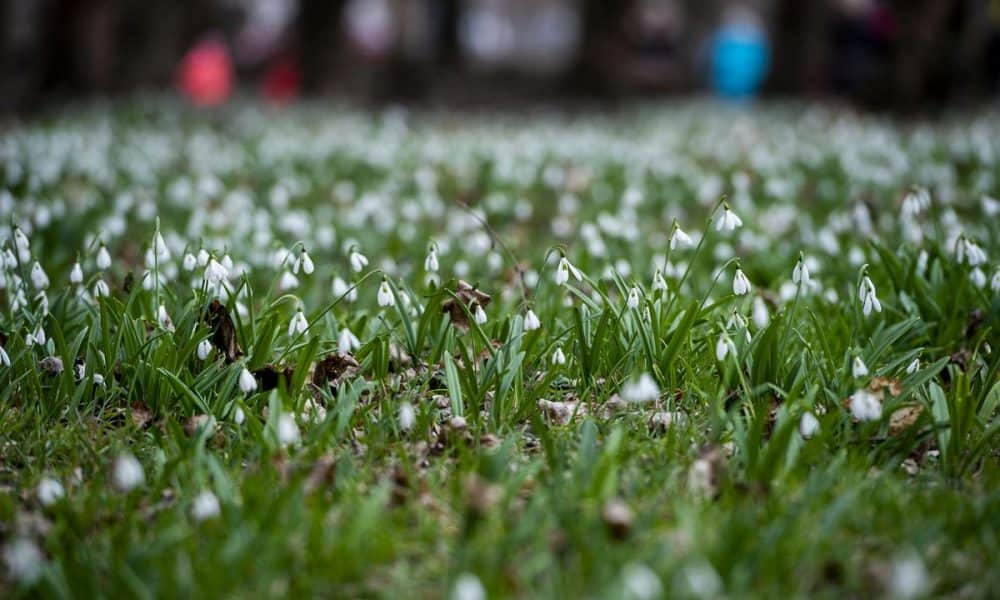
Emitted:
<point x="674" y="352"/>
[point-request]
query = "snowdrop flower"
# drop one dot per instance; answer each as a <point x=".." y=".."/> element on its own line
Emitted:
<point x="558" y="357"/>
<point x="101" y="289"/>
<point x="203" y="257"/>
<point x="303" y="262"/>
<point x="479" y="315"/>
<point x="347" y="342"/>
<point x="633" y="298"/>
<point x="103" y="258"/>
<point x="468" y="587"/>
<point x="76" y="274"/>
<point x="659" y="284"/>
<point x="38" y="337"/>
<point x="204" y="348"/>
<point x="865" y="406"/>
<point x="24" y="560"/>
<point x="922" y="259"/>
<point x="248" y="384"/>
<point x="385" y="294"/>
<point x="343" y="289"/>
<point x="239" y="416"/>
<point x="866" y="293"/>
<point x="995" y="282"/>
<point x="970" y="252"/>
<point x="159" y="247"/>
<point x="643" y="389"/>
<point x="909" y="577"/>
<point x="407" y="416"/>
<point x="723" y="347"/>
<point x="189" y="262"/>
<point x="728" y="221"/>
<point x="127" y="473"/>
<point x="564" y="269"/>
<point x="49" y="491"/>
<point x="164" y="318"/>
<point x="859" y="368"/>
<point x="800" y="274"/>
<point x="38" y="277"/>
<point x="298" y="323"/>
<point x="531" y="322"/>
<point x="288" y="430"/>
<point x="4" y="358"/>
<point x="741" y="285"/>
<point x="915" y="202"/>
<point x="760" y="315"/>
<point x="9" y="260"/>
<point x="641" y="583"/>
<point x="22" y="245"/>
<point x="808" y="425"/>
<point x="358" y="261"/>
<point x="215" y="272"/>
<point x="978" y="277"/>
<point x="680" y="239"/>
<point x="288" y="281"/>
<point x="431" y="262"/>
<point x="205" y="506"/>
<point x="913" y="367"/>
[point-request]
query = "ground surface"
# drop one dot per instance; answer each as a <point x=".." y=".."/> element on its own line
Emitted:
<point x="802" y="404"/>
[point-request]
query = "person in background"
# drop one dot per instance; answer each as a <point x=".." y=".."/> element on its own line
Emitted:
<point x="739" y="54"/>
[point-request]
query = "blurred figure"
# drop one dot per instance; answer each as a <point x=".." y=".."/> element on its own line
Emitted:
<point x="862" y="43"/>
<point x="205" y="75"/>
<point x="739" y="54"/>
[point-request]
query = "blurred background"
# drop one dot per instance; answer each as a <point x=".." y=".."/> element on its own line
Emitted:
<point x="901" y="55"/>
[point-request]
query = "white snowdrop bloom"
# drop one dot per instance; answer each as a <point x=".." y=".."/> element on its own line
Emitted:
<point x="127" y="473"/>
<point x="358" y="261"/>
<point x="643" y="389"/>
<point x="728" y="221"/>
<point x="723" y="347"/>
<point x="978" y="277"/>
<point x="385" y="294"/>
<point x="479" y="315"/>
<point x="24" y="560"/>
<point x="204" y="349"/>
<point x="37" y="337"/>
<point x="101" y="289"/>
<point x="531" y="322"/>
<point x="916" y="202"/>
<point x="103" y="260"/>
<point x="298" y="324"/>
<point x="634" y="297"/>
<point x="239" y="416"/>
<point x="866" y="406"/>
<point x="76" y="274"/>
<point x="970" y="252"/>
<point x="189" y="262"/>
<point x="248" y="384"/>
<point x="913" y="367"/>
<point x="995" y="282"/>
<point x="659" y="284"/>
<point x="680" y="239"/>
<point x="759" y="314"/>
<point x="205" y="506"/>
<point x="563" y="271"/>
<point x="641" y="583"/>
<point x="9" y="260"/>
<point x="306" y="262"/>
<point x="98" y="379"/>
<point x="468" y="587"/>
<point x="163" y="318"/>
<point x="288" y="430"/>
<point x="431" y="262"/>
<point x="808" y="425"/>
<point x="800" y="274"/>
<point x="869" y="301"/>
<point x="908" y="578"/>
<point x="741" y="285"/>
<point x="288" y="281"/>
<point x="558" y="357"/>
<point x="203" y="258"/>
<point x="49" y="491"/>
<point x="347" y="342"/>
<point x="160" y="247"/>
<point x="4" y="357"/>
<point x="38" y="277"/>
<point x="343" y="289"/>
<point x="215" y="272"/>
<point x="22" y="245"/>
<point x="922" y="259"/>
<point x="407" y="416"/>
<point x="859" y="368"/>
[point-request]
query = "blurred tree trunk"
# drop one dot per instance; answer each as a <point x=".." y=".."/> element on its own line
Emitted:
<point x="320" y="36"/>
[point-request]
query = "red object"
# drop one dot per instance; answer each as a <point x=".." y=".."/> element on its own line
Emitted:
<point x="205" y="74"/>
<point x="282" y="82"/>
